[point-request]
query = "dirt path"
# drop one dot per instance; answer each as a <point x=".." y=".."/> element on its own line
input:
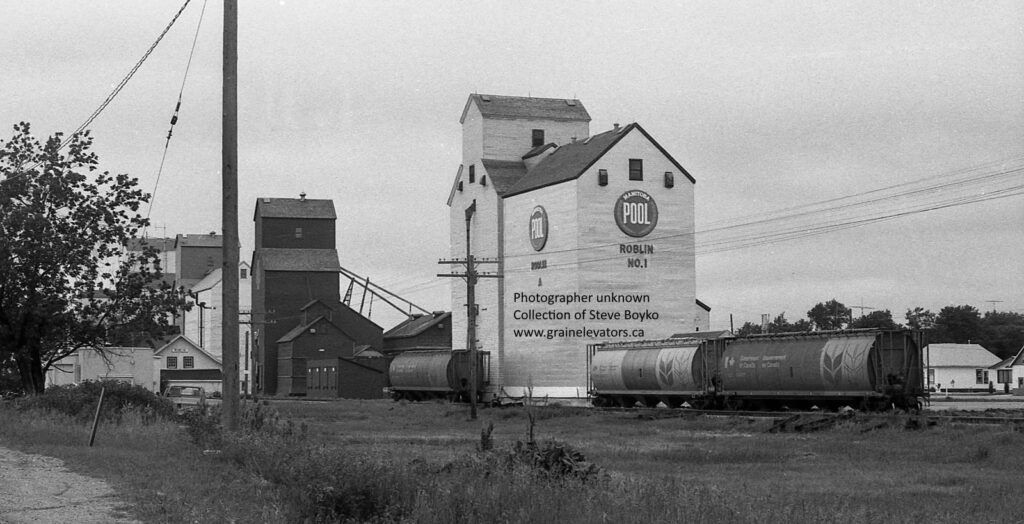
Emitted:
<point x="39" y="489"/>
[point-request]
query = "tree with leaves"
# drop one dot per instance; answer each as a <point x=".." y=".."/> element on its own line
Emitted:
<point x="829" y="315"/>
<point x="1003" y="332"/>
<point x="878" y="319"/>
<point x="920" y="318"/>
<point x="958" y="324"/>
<point x="69" y="275"/>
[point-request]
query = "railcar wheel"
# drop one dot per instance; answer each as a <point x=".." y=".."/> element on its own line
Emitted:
<point x="651" y="402"/>
<point x="733" y="404"/>
<point x="672" y="402"/>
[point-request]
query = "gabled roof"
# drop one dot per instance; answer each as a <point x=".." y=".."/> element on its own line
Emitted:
<point x="189" y="342"/>
<point x="570" y="161"/>
<point x="280" y="259"/>
<point x="504" y="173"/>
<point x="417" y="324"/>
<point x="366" y="351"/>
<point x="300" y="329"/>
<point x="313" y="302"/>
<point x="294" y="208"/>
<point x="1016" y="360"/>
<point x="199" y="240"/>
<point x="959" y="355"/>
<point x="208" y="281"/>
<point x="499" y="106"/>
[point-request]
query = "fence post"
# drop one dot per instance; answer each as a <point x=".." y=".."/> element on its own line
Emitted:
<point x="96" y="418"/>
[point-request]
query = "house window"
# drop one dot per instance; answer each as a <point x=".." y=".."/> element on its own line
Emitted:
<point x="172" y="362"/>
<point x="538" y="137"/>
<point x="1004" y="376"/>
<point x="472" y="174"/>
<point x="931" y="376"/>
<point x="298" y="232"/>
<point x="602" y="177"/>
<point x="636" y="169"/>
<point x="243" y="273"/>
<point x="981" y="376"/>
<point x="188" y="362"/>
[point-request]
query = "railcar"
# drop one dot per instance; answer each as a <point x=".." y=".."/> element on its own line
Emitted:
<point x="866" y="369"/>
<point x="430" y="374"/>
<point x="670" y="371"/>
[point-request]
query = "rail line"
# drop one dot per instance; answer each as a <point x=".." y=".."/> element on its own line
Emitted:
<point x="931" y="419"/>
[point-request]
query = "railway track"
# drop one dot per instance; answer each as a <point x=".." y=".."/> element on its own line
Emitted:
<point x="805" y="417"/>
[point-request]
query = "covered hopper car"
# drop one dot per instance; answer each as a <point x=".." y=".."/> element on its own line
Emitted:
<point x="866" y="369"/>
<point x="427" y="374"/>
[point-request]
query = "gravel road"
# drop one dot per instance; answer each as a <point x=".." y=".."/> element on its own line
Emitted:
<point x="39" y="489"/>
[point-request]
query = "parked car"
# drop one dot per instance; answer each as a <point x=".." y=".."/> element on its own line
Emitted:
<point x="188" y="397"/>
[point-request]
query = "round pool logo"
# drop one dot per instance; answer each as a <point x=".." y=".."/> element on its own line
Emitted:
<point x="636" y="213"/>
<point x="538" y="228"/>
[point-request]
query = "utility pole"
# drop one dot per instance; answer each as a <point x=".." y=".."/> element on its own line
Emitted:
<point x="471" y="275"/>
<point x="229" y="216"/>
<point x="993" y="302"/>
<point x="861" y="308"/>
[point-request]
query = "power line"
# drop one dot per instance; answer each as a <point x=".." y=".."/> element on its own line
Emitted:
<point x="117" y="89"/>
<point x="177" y="107"/>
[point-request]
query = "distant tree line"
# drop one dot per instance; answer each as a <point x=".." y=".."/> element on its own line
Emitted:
<point x="1001" y="332"/>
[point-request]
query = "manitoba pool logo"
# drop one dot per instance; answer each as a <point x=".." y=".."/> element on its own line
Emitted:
<point x="636" y="213"/>
<point x="538" y="228"/>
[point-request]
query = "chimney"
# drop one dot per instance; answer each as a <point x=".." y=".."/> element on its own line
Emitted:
<point x="616" y="124"/>
<point x="302" y="195"/>
<point x="573" y="140"/>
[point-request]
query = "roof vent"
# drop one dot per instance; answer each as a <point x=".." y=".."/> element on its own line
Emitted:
<point x="573" y="140"/>
<point x="485" y="98"/>
<point x="302" y="196"/>
<point x="616" y="124"/>
<point x="570" y="102"/>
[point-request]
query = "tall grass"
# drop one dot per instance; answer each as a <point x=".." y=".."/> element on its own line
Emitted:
<point x="383" y="462"/>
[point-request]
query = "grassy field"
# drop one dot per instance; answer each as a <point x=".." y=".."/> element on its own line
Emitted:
<point x="418" y="462"/>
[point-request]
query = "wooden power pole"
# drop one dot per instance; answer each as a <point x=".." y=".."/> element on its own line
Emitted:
<point x="472" y="310"/>
<point x="229" y="215"/>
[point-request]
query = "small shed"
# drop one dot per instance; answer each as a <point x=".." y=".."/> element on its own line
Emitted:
<point x="960" y="367"/>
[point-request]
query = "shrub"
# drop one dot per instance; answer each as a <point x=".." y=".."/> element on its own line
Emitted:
<point x="554" y="459"/>
<point x="79" y="401"/>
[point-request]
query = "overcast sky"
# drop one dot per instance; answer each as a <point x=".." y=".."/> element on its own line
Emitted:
<point x="767" y="107"/>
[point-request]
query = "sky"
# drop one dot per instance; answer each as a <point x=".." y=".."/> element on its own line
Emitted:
<point x="768" y="106"/>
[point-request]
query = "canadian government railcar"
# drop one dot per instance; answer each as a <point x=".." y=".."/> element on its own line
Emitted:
<point x="864" y="369"/>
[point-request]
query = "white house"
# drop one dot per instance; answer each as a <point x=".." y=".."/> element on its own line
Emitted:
<point x="182" y="361"/>
<point x="1011" y="372"/>
<point x="960" y="367"/>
